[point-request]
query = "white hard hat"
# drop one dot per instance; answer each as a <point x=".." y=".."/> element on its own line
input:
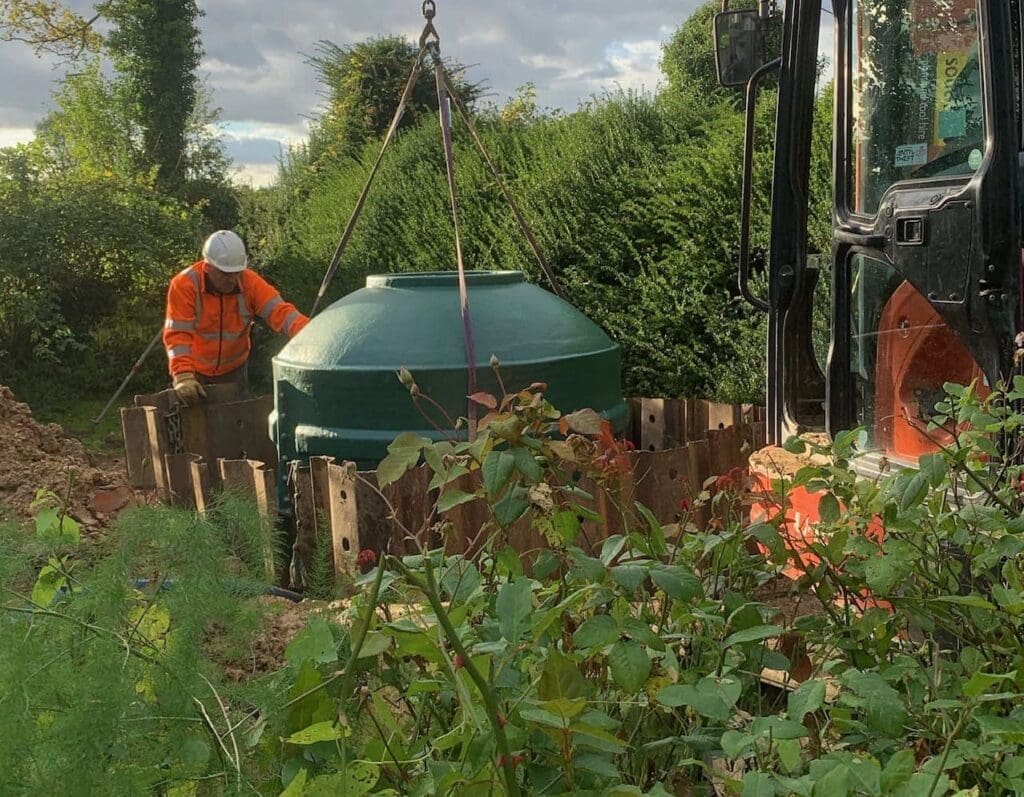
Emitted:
<point x="225" y="250"/>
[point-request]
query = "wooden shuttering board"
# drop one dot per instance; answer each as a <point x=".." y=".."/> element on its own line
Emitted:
<point x="663" y="424"/>
<point x="138" y="456"/>
<point x="332" y="502"/>
<point x="221" y="427"/>
<point x="253" y="480"/>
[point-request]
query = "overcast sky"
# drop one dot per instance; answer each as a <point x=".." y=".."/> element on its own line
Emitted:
<point x="255" y="63"/>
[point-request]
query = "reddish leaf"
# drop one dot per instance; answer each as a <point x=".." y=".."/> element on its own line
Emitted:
<point x="584" y="421"/>
<point x="485" y="400"/>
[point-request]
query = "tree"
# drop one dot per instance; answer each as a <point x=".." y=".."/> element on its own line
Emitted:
<point x="50" y="27"/>
<point x="156" y="50"/>
<point x="89" y="133"/>
<point x="363" y="83"/>
<point x="688" y="58"/>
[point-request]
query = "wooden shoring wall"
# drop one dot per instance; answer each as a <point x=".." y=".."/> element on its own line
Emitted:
<point x="160" y="434"/>
<point x="681" y="443"/>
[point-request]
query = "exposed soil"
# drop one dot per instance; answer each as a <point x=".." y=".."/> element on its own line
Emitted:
<point x="283" y="622"/>
<point x="36" y="456"/>
<point x="776" y="463"/>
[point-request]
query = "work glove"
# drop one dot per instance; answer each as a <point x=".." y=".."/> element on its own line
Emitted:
<point x="188" y="389"/>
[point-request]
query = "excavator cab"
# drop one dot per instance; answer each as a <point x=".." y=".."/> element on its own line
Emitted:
<point x="925" y="264"/>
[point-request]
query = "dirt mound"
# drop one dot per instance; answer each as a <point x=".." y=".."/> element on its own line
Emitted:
<point x="36" y="456"/>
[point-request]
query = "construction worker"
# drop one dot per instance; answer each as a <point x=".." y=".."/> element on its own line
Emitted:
<point x="211" y="307"/>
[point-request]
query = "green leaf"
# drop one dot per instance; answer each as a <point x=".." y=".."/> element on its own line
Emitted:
<point x="540" y="716"/>
<point x="769" y="537"/>
<point x="48" y="583"/>
<point x="735" y="743"/>
<point x="808" y="697"/>
<point x="561" y="679"/>
<point x="566" y="526"/>
<point x="596" y="738"/>
<point x="497" y="469"/>
<point x="314" y="643"/>
<point x="512" y="506"/>
<point x="612" y="547"/>
<point x="513" y="605"/>
<point x="591" y="569"/>
<point x="598" y="765"/>
<point x="358" y="779"/>
<point x="630" y="666"/>
<point x="794" y="445"/>
<point x="970" y="601"/>
<point x="452" y="498"/>
<point x="325" y="731"/>
<point x="835" y="783"/>
<point x="642" y="633"/>
<point x="374" y="644"/>
<point x="828" y="507"/>
<point x="527" y="464"/>
<point x="677" y="582"/>
<point x="755" y="634"/>
<point x="403" y="454"/>
<point x="297" y="784"/>
<point x="915" y="491"/>
<point x="564" y="707"/>
<point x="981" y="682"/>
<point x="790" y="755"/>
<point x="884" y="572"/>
<point x="629" y="577"/>
<point x="933" y="466"/>
<point x="757" y="784"/>
<point x="778" y="728"/>
<point x="460" y="580"/>
<point x="885" y="712"/>
<point x="53" y="528"/>
<point x="655" y="533"/>
<point x="898" y="770"/>
<point x="711" y="697"/>
<point x="596" y="632"/>
<point x="547" y="563"/>
<point x="921" y="785"/>
<point x="865" y="773"/>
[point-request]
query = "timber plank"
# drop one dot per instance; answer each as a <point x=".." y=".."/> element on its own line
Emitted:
<point x="138" y="458"/>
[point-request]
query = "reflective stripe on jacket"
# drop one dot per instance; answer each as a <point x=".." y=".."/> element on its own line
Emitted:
<point x="208" y="332"/>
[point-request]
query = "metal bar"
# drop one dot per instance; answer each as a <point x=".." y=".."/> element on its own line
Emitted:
<point x="445" y="115"/>
<point x="358" y="209"/>
<point x="131" y="373"/>
<point x="534" y="245"/>
<point x="748" y="185"/>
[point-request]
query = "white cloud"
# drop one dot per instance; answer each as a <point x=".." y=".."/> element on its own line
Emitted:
<point x="255" y="62"/>
<point x="9" y="136"/>
<point x="635" y="64"/>
<point x="255" y="175"/>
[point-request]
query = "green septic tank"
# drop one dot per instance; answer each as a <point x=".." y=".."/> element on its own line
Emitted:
<point x="335" y="383"/>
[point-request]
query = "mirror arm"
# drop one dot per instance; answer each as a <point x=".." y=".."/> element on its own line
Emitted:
<point x="748" y="185"/>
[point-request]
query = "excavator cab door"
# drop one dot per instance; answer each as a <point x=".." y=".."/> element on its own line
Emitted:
<point x="926" y="257"/>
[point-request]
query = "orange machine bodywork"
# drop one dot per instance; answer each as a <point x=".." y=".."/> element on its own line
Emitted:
<point x="917" y="352"/>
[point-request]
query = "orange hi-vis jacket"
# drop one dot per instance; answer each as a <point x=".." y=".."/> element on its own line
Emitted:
<point x="208" y="332"/>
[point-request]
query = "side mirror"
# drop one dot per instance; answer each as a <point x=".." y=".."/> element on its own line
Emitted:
<point x="739" y="46"/>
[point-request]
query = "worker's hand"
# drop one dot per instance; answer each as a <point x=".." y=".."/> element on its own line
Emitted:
<point x="188" y="389"/>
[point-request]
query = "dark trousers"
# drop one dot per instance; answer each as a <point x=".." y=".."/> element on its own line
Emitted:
<point x="239" y="378"/>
